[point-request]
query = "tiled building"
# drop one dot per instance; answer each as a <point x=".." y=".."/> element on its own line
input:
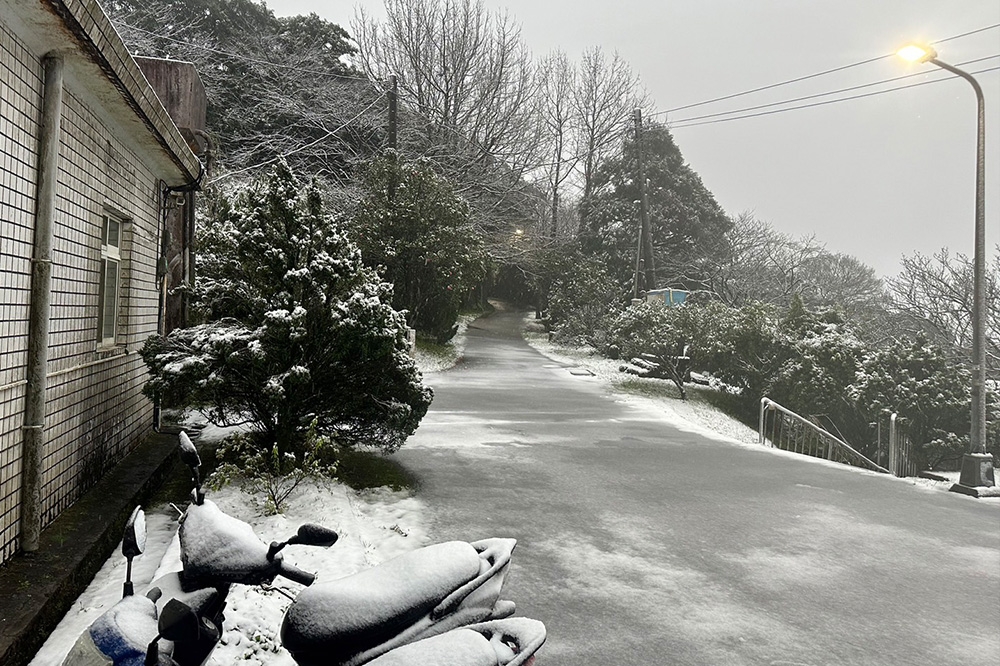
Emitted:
<point x="88" y="151"/>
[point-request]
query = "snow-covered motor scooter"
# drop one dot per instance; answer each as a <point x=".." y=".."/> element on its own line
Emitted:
<point x="216" y="550"/>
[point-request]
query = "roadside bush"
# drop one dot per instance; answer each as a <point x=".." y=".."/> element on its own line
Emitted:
<point x="815" y="379"/>
<point x="644" y="328"/>
<point x="916" y="380"/>
<point x="582" y="299"/>
<point x="742" y="347"/>
<point x="263" y="470"/>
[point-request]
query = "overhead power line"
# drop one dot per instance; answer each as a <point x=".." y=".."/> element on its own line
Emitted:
<point x="831" y="92"/>
<point x="245" y="58"/>
<point x="966" y="34"/>
<point x="813" y="76"/>
<point x="832" y="101"/>
<point x="769" y="87"/>
<point x="300" y="148"/>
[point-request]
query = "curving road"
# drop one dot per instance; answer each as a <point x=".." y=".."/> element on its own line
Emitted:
<point x="641" y="544"/>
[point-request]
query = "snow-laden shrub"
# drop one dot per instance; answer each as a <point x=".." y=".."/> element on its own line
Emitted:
<point x="815" y="378"/>
<point x="646" y="328"/>
<point x="918" y="381"/>
<point x="267" y="475"/>
<point x="582" y="298"/>
<point x="296" y="329"/>
<point x="742" y="347"/>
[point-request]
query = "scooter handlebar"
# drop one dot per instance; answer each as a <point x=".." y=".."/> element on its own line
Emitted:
<point x="294" y="573"/>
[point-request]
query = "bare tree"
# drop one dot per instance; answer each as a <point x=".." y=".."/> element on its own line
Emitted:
<point x="933" y="295"/>
<point x="557" y="85"/>
<point x="461" y="67"/>
<point x="762" y="264"/>
<point x="468" y="102"/>
<point x="606" y="95"/>
<point x="843" y="282"/>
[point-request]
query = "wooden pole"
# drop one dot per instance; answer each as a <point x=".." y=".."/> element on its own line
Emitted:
<point x="649" y="271"/>
<point x="392" y="94"/>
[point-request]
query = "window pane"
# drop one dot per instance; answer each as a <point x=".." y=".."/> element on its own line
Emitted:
<point x="112" y="231"/>
<point x="109" y="314"/>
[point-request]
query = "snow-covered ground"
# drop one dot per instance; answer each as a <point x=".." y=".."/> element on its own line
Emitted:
<point x="449" y="354"/>
<point x="693" y="414"/>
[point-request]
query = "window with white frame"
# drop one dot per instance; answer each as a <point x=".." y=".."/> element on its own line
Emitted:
<point x="111" y="279"/>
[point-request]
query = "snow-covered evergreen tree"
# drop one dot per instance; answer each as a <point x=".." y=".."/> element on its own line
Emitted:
<point x="418" y="233"/>
<point x="687" y="225"/>
<point x="296" y="329"/>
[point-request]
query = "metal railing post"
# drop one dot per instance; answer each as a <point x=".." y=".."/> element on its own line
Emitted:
<point x="763" y="415"/>
<point x="893" y="446"/>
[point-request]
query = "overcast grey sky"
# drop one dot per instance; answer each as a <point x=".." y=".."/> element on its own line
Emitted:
<point x="876" y="177"/>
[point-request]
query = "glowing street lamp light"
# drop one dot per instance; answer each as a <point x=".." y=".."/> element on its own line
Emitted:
<point x="916" y="53"/>
<point x="977" y="465"/>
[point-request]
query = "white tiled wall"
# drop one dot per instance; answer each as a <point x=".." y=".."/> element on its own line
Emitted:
<point x="95" y="412"/>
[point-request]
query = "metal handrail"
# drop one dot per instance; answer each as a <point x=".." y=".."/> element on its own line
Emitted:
<point x="902" y="461"/>
<point x="836" y="449"/>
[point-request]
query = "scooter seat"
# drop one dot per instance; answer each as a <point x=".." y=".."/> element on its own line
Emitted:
<point x="510" y="642"/>
<point x="119" y="636"/>
<point x="330" y="622"/>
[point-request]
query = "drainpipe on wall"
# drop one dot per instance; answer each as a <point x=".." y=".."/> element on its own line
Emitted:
<point x="41" y="297"/>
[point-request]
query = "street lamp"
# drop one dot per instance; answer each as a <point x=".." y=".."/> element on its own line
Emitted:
<point x="977" y="465"/>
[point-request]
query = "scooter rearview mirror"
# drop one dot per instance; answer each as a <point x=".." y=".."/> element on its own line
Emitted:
<point x="178" y="622"/>
<point x="133" y="543"/>
<point x="308" y="535"/>
<point x="189" y="454"/>
<point x="314" y="535"/>
<point x="134" y="539"/>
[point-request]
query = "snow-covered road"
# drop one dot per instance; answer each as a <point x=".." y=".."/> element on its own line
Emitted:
<point x="646" y="539"/>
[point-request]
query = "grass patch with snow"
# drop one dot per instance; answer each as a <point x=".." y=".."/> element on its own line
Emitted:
<point x="433" y="357"/>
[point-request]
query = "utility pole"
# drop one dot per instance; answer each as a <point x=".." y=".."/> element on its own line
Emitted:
<point x="392" y="95"/>
<point x="645" y="241"/>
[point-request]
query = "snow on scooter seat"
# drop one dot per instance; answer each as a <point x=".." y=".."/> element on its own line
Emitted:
<point x="509" y="642"/>
<point x="120" y="635"/>
<point x="331" y="621"/>
<point x="218" y="546"/>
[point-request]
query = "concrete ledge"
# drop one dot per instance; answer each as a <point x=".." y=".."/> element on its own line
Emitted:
<point x="976" y="491"/>
<point x="39" y="588"/>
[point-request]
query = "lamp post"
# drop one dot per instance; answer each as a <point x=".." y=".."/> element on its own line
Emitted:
<point x="977" y="465"/>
